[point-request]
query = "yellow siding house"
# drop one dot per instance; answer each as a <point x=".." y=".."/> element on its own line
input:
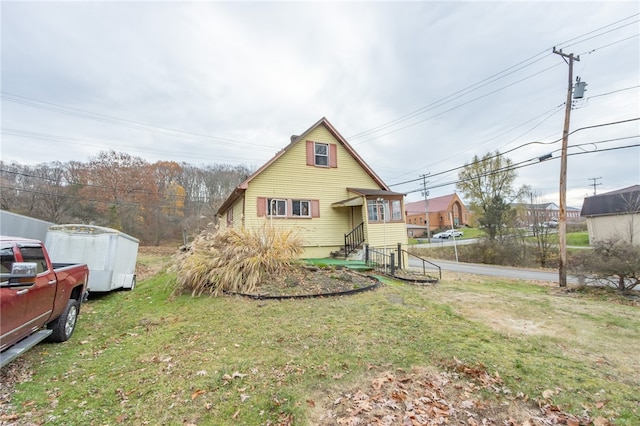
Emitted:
<point x="321" y="187"/>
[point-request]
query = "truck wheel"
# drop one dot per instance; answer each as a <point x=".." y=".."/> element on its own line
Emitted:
<point x="64" y="325"/>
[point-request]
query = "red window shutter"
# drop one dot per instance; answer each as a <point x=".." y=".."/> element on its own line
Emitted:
<point x="333" y="155"/>
<point x="262" y="206"/>
<point x="315" y="208"/>
<point x="311" y="154"/>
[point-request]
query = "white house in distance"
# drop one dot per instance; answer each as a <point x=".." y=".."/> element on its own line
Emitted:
<point x="614" y="214"/>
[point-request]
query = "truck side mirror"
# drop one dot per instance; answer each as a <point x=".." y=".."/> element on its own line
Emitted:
<point x="23" y="274"/>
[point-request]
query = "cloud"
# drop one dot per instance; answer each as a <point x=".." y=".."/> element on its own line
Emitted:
<point x="416" y="87"/>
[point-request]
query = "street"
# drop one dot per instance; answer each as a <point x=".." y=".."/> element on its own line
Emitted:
<point x="495" y="271"/>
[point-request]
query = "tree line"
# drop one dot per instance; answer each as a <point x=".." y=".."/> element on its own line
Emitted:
<point x="154" y="202"/>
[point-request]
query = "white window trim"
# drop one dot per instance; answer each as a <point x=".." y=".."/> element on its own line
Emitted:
<point x="316" y="155"/>
<point x="276" y="201"/>
<point x="308" y="202"/>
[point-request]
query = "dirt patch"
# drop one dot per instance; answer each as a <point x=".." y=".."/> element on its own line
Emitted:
<point x="308" y="281"/>
<point x="153" y="259"/>
<point x="157" y="250"/>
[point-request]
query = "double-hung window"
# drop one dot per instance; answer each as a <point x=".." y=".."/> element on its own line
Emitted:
<point x="375" y="210"/>
<point x="276" y="207"/>
<point x="396" y="211"/>
<point x="321" y="154"/>
<point x="301" y="208"/>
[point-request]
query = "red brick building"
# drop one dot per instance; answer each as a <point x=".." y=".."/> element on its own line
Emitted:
<point x="443" y="212"/>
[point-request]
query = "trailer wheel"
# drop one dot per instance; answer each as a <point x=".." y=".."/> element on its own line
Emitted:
<point x="64" y="325"/>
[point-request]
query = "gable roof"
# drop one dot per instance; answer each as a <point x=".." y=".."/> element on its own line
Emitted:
<point x="620" y="201"/>
<point x="434" y="205"/>
<point x="240" y="189"/>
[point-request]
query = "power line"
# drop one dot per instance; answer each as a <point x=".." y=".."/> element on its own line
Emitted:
<point x="458" y="106"/>
<point x="495" y="77"/>
<point x="550" y="113"/>
<point x="82" y="113"/>
<point x="515" y="166"/>
<point x="532" y="161"/>
<point x="522" y="146"/>
<point x="105" y="144"/>
<point x="613" y="91"/>
<point x="450" y="109"/>
<point x="565" y="45"/>
<point x="444" y="101"/>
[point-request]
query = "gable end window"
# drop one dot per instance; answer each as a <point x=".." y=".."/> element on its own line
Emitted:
<point x="321" y="154"/>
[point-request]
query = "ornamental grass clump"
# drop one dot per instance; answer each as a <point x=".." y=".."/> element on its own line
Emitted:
<point x="235" y="260"/>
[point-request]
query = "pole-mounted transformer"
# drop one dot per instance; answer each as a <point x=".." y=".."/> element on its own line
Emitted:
<point x="579" y="89"/>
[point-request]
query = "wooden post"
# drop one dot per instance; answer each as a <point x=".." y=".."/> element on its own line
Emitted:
<point x="393" y="264"/>
<point x="562" y="220"/>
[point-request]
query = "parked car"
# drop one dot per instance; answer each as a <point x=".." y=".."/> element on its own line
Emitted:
<point x="448" y="234"/>
<point x="39" y="299"/>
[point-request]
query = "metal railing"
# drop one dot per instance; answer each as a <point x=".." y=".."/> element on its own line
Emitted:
<point x="388" y="261"/>
<point x="424" y="262"/>
<point x="353" y="239"/>
<point x="380" y="261"/>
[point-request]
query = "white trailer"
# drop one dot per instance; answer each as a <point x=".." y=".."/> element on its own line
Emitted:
<point x="18" y="225"/>
<point x="110" y="254"/>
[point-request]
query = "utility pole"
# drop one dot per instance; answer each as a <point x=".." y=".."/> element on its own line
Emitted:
<point x="562" y="220"/>
<point x="594" y="184"/>
<point x="425" y="193"/>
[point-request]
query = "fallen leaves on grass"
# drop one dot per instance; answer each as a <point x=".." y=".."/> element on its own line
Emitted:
<point x="427" y="398"/>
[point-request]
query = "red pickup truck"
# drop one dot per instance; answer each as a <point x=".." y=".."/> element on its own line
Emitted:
<point x="38" y="299"/>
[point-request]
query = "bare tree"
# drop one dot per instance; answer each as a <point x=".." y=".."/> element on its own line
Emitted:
<point x="545" y="243"/>
<point x="9" y="186"/>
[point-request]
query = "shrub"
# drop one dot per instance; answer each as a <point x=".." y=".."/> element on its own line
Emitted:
<point x="235" y="260"/>
<point x="612" y="262"/>
<point x="577" y="227"/>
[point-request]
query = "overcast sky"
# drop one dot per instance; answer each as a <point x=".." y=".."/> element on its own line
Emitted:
<point x="415" y="87"/>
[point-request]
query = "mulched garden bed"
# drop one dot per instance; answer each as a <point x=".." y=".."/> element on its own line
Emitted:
<point x="312" y="281"/>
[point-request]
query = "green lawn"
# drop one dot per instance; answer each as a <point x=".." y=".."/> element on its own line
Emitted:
<point x="145" y="357"/>
<point x="578" y="239"/>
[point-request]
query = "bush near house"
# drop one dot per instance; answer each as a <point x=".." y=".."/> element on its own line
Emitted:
<point x="235" y="260"/>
